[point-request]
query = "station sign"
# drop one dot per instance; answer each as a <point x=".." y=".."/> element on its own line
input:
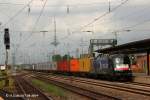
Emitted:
<point x="103" y="41"/>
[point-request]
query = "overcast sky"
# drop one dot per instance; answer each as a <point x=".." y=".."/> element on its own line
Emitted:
<point x="31" y="45"/>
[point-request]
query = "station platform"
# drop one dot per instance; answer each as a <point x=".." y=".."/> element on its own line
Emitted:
<point x="141" y="78"/>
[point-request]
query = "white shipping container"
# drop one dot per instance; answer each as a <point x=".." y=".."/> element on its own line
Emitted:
<point x="54" y="66"/>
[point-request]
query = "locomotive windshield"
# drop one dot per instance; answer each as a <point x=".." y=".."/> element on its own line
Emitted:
<point x="118" y="61"/>
<point x="121" y="62"/>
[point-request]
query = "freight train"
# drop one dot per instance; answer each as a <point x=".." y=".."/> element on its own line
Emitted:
<point x="115" y="67"/>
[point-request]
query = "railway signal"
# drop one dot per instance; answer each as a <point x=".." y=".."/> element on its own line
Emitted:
<point x="7" y="39"/>
<point x="7" y="45"/>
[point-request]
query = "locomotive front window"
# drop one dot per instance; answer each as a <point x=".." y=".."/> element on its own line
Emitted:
<point x="118" y="61"/>
<point x="121" y="63"/>
<point x="122" y="60"/>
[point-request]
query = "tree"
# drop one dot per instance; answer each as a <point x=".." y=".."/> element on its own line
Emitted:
<point x="66" y="57"/>
<point x="56" y="57"/>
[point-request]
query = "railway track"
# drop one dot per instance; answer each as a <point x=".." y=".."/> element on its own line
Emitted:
<point x="138" y="83"/>
<point x="78" y="90"/>
<point x="105" y="82"/>
<point x="137" y="88"/>
<point x="27" y="91"/>
<point x="121" y="86"/>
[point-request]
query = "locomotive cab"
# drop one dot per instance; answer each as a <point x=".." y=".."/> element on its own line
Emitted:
<point x="121" y="65"/>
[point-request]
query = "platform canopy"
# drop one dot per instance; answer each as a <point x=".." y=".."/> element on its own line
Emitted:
<point x="141" y="46"/>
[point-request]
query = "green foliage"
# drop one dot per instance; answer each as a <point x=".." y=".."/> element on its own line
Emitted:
<point x="56" y="57"/>
<point x="3" y="73"/>
<point x="48" y="87"/>
<point x="2" y="83"/>
<point x="66" y="57"/>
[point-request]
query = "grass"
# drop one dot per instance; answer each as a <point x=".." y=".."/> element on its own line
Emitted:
<point x="2" y="82"/>
<point x="2" y="73"/>
<point x="10" y="88"/>
<point x="49" y="88"/>
<point x="11" y="84"/>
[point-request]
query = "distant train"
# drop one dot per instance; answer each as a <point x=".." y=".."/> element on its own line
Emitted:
<point x="116" y="67"/>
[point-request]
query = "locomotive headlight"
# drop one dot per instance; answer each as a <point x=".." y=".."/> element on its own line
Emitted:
<point x="117" y="60"/>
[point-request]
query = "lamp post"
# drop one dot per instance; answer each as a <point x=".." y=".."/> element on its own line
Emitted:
<point x="88" y="31"/>
<point x="44" y="32"/>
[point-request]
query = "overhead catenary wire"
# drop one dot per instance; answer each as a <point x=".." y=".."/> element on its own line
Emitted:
<point x="71" y="5"/>
<point x="137" y="24"/>
<point x="39" y="15"/>
<point x="141" y="22"/>
<point x="16" y="14"/>
<point x="41" y="12"/>
<point x="21" y="11"/>
<point x="32" y="31"/>
<point x="130" y="15"/>
<point x="101" y="16"/>
<point x="98" y="18"/>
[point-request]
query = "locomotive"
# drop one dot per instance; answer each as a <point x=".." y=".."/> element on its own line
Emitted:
<point x="115" y="66"/>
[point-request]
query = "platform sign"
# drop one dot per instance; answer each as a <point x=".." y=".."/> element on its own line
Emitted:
<point x="103" y="41"/>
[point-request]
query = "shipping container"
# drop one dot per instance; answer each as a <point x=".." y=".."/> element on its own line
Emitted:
<point x="81" y="65"/>
<point x="74" y="65"/>
<point x="85" y="64"/>
<point x="45" y="66"/>
<point x="59" y="64"/>
<point x="53" y="66"/>
<point x="63" y="65"/>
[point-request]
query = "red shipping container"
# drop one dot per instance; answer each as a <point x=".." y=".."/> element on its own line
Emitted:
<point x="63" y="65"/>
<point x="74" y="65"/>
<point x="59" y="65"/>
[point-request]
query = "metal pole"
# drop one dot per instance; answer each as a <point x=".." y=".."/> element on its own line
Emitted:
<point x="6" y="61"/>
<point x="148" y="72"/>
<point x="6" y="64"/>
<point x="116" y="35"/>
<point x="109" y="6"/>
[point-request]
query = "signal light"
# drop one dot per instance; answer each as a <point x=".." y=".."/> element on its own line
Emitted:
<point x="6" y="38"/>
